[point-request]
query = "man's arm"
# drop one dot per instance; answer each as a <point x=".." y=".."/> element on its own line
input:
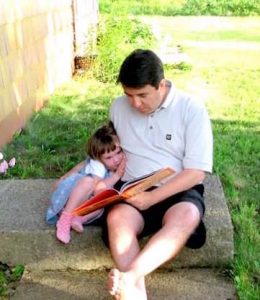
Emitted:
<point x="185" y="180"/>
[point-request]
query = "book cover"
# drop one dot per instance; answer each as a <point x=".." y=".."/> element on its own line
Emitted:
<point x="128" y="190"/>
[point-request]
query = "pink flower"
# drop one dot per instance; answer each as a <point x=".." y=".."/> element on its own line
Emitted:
<point x="3" y="166"/>
<point x="12" y="162"/>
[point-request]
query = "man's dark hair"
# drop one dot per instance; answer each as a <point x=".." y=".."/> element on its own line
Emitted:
<point x="140" y="68"/>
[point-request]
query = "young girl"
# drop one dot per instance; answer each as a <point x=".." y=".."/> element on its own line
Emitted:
<point x="105" y="166"/>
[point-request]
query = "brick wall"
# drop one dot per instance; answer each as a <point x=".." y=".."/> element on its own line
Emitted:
<point x="36" y="56"/>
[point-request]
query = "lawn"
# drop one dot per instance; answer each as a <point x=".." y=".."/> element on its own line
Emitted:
<point x="225" y="58"/>
<point x="224" y="69"/>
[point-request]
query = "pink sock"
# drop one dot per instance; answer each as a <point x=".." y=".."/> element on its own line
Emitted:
<point x="63" y="227"/>
<point x="78" y="221"/>
<point x="77" y="224"/>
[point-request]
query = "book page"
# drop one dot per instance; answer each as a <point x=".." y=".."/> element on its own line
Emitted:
<point x="131" y="183"/>
<point x="147" y="182"/>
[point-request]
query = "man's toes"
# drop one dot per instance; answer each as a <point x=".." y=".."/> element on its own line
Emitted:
<point x="114" y="282"/>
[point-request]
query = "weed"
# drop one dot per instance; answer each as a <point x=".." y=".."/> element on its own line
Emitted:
<point x="9" y="276"/>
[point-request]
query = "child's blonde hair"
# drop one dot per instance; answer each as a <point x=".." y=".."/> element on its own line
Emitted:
<point x="103" y="140"/>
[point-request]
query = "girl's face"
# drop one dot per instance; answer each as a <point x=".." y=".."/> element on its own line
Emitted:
<point x="113" y="158"/>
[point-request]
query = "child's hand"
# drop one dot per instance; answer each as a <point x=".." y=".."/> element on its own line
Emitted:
<point x="121" y="168"/>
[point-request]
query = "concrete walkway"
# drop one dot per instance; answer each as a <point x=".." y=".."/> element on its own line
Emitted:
<point x="78" y="270"/>
<point x="182" y="284"/>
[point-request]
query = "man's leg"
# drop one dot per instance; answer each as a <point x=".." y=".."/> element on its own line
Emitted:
<point x="179" y="222"/>
<point x="124" y="224"/>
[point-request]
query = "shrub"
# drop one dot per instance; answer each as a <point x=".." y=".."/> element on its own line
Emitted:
<point x="117" y="37"/>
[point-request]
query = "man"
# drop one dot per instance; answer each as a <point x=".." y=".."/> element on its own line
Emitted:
<point x="158" y="127"/>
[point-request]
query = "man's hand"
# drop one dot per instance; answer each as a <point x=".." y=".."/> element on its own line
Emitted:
<point x="142" y="201"/>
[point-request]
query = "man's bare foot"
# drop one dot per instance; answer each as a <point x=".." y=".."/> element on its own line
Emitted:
<point x="122" y="286"/>
<point x="114" y="283"/>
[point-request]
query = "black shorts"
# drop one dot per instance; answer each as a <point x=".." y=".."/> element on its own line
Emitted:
<point x="153" y="216"/>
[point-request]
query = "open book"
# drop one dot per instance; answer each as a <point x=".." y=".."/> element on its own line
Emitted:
<point x="128" y="190"/>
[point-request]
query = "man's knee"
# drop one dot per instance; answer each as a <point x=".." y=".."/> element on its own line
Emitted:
<point x="120" y="221"/>
<point x="191" y="214"/>
<point x="123" y="217"/>
<point x="114" y="215"/>
<point x="187" y="212"/>
<point x="190" y="217"/>
<point x="122" y="211"/>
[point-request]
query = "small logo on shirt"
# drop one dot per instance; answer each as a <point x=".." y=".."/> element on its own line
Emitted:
<point x="168" y="137"/>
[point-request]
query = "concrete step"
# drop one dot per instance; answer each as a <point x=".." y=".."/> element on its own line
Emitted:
<point x="182" y="284"/>
<point x="26" y="239"/>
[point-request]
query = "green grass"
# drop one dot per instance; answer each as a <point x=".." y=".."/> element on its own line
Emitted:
<point x="226" y="77"/>
<point x="205" y="28"/>
<point x="9" y="277"/>
<point x="182" y="7"/>
<point x="44" y="149"/>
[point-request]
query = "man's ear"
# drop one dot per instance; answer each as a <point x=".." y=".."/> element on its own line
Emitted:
<point x="162" y="84"/>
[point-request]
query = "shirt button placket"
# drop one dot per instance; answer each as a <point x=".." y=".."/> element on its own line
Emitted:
<point x="151" y="133"/>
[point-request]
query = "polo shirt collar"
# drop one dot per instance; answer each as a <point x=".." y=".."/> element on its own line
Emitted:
<point x="170" y="96"/>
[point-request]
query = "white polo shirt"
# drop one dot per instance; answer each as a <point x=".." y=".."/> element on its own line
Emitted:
<point x="178" y="135"/>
